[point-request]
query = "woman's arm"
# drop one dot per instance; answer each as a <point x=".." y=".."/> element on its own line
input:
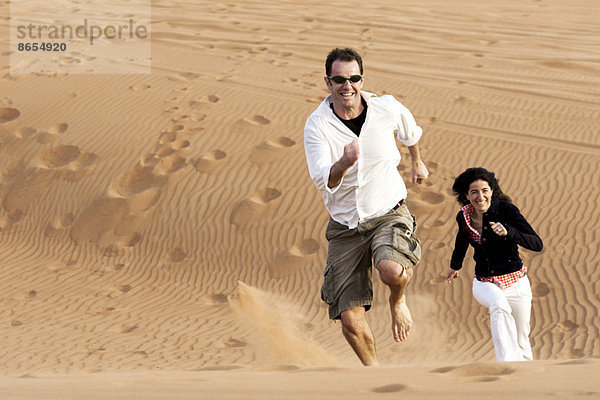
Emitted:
<point x="519" y="230"/>
<point x="461" y="244"/>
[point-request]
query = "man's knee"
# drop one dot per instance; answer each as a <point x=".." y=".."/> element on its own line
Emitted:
<point x="392" y="273"/>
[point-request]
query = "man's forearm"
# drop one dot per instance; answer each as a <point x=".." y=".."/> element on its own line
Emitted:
<point x="419" y="170"/>
<point x="338" y="169"/>
<point x="415" y="153"/>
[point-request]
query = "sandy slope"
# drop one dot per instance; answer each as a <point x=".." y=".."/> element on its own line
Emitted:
<point x="132" y="205"/>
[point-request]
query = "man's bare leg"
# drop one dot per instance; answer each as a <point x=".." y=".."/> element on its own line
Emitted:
<point x="358" y="333"/>
<point x="396" y="277"/>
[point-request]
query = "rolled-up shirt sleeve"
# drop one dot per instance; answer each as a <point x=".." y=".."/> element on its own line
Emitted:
<point x="318" y="157"/>
<point x="408" y="132"/>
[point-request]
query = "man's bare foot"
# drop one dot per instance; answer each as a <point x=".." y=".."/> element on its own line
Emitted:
<point x="401" y="320"/>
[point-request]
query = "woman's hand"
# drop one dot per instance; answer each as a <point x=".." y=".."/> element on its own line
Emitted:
<point x="498" y="228"/>
<point x="452" y="274"/>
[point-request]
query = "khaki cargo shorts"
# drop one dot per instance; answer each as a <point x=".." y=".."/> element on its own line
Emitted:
<point x="347" y="279"/>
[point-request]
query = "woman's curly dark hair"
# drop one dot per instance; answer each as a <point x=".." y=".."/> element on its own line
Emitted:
<point x="470" y="175"/>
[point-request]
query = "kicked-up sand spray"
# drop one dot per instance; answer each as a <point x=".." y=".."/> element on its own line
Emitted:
<point x="278" y="327"/>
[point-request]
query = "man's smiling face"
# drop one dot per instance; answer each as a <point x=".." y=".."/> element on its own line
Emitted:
<point x="346" y="96"/>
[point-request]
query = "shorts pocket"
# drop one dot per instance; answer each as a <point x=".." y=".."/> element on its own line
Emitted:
<point x="406" y="242"/>
<point x="414" y="223"/>
<point x="327" y="288"/>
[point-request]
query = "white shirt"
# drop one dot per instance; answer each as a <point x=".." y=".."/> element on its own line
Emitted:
<point x="372" y="186"/>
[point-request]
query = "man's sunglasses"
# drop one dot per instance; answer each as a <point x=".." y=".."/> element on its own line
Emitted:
<point x="342" y="79"/>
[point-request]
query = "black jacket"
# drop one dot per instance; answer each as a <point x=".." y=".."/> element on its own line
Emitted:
<point x="496" y="255"/>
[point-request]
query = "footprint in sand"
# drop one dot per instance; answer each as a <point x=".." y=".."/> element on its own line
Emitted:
<point x="576" y="353"/>
<point x="8" y="114"/>
<point x="209" y="161"/>
<point x="136" y="180"/>
<point x="116" y="267"/>
<point x="127" y="328"/>
<point x="123" y="288"/>
<point x="82" y="162"/>
<point x="174" y="128"/>
<point x="25" y="132"/>
<point x="44" y="137"/>
<point x="567" y="326"/>
<point x="540" y="289"/>
<point x="250" y="124"/>
<point x="52" y="133"/>
<point x="10" y="219"/>
<point x="215" y="299"/>
<point x="95" y="350"/>
<point x="131" y="194"/>
<point x="167" y="136"/>
<point x="58" y="128"/>
<point x="172" y="109"/>
<point x="27" y="187"/>
<point x="185" y="76"/>
<point x="177" y="255"/>
<point x="428" y="198"/>
<point x="166" y="149"/>
<point x="63" y="268"/>
<point x="197" y="117"/>
<point x="256" y="120"/>
<point x="203" y="102"/>
<point x="170" y="164"/>
<point x="100" y="216"/>
<point x="221" y="8"/>
<point x="434" y="224"/>
<point x="60" y="224"/>
<point x="141" y="202"/>
<point x="255" y="207"/>
<point x="130" y="240"/>
<point x="272" y="150"/>
<point x="432" y="165"/>
<point x="228" y="76"/>
<point x="106" y="311"/>
<point x="477" y="370"/>
<point x="293" y="259"/>
<point x="139" y="87"/>
<point x="438" y="280"/>
<point x="393" y="388"/>
<point x="30" y="294"/>
<point x="258" y="50"/>
<point x="227" y="343"/>
<point x="127" y="229"/>
<point x="58" y="156"/>
<point x="438" y="245"/>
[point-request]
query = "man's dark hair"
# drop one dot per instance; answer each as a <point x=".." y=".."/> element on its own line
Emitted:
<point x="345" y="55"/>
<point x="464" y="180"/>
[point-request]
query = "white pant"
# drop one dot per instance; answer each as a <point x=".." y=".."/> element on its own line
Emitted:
<point x="510" y="310"/>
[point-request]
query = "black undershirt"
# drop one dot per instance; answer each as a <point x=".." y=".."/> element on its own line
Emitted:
<point x="354" y="124"/>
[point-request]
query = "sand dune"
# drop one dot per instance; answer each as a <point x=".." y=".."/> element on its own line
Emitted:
<point x="160" y="231"/>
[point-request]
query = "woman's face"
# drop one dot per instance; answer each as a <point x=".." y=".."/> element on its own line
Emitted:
<point x="480" y="195"/>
